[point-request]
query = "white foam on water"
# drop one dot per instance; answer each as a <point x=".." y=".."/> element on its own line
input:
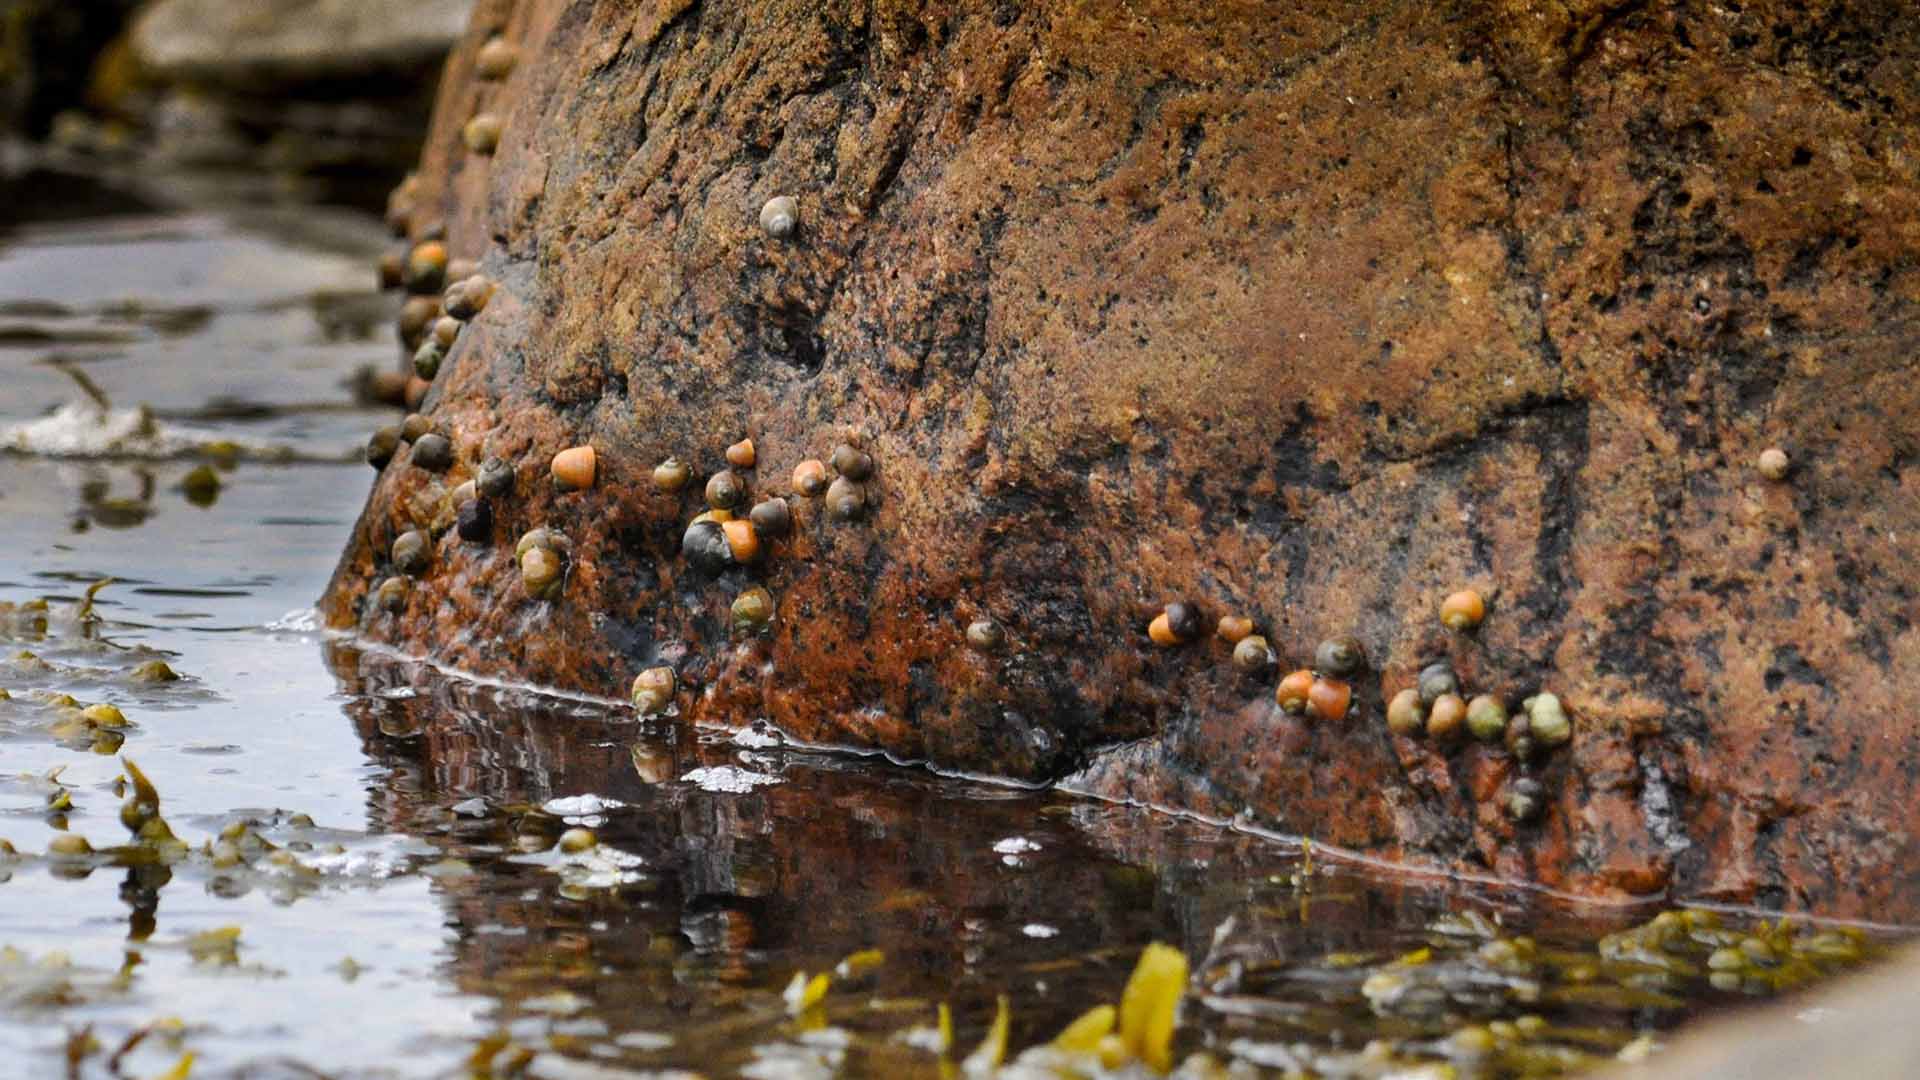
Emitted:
<point x="84" y="429"/>
<point x="728" y="779"/>
<point x="571" y="806"/>
<point x="298" y="621"/>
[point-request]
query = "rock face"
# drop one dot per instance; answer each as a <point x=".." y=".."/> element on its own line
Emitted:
<point x="263" y="44"/>
<point x="1310" y="312"/>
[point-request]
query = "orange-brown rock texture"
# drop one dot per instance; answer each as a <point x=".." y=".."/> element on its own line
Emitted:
<point x="1308" y="311"/>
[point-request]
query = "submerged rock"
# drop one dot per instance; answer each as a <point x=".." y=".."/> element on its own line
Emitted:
<point x="1307" y="318"/>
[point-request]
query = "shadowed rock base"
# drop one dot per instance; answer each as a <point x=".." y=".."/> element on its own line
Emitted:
<point x="1313" y="313"/>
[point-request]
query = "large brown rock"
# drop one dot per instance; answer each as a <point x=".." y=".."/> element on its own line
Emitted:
<point x="1313" y="312"/>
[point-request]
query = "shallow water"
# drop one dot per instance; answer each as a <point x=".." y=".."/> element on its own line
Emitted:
<point x="419" y="920"/>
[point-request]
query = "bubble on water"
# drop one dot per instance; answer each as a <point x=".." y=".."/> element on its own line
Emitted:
<point x="300" y="621"/>
<point x="643" y="1040"/>
<point x="728" y="779"/>
<point x="1012" y="848"/>
<point x="754" y="738"/>
<point x="572" y="806"/>
<point x="365" y="864"/>
<point x="87" y="429"/>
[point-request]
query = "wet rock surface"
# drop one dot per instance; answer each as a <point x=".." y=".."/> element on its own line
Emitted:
<point x="1312" y="316"/>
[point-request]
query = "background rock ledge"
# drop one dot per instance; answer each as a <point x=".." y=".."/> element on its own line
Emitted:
<point x="1311" y="311"/>
<point x="263" y="44"/>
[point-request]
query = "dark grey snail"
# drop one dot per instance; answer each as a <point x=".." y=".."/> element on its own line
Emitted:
<point x="772" y="517"/>
<point x="1341" y="657"/>
<point x="411" y="552"/>
<point x="382" y="446"/>
<point x="474" y="520"/>
<point x="846" y="500"/>
<point x="433" y="452"/>
<point x="1436" y="681"/>
<point x="705" y="546"/>
<point x="495" y="478"/>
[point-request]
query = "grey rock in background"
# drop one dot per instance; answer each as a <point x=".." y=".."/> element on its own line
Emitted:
<point x="268" y="44"/>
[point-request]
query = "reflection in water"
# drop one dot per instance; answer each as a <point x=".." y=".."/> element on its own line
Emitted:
<point x="675" y="951"/>
<point x="98" y="504"/>
<point x="101" y="504"/>
<point x="123" y="497"/>
<point x="462" y="918"/>
<point x="722" y="864"/>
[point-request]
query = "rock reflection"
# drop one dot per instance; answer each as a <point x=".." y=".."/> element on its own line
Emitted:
<point x="101" y="505"/>
<point x="728" y="862"/>
<point x="741" y="887"/>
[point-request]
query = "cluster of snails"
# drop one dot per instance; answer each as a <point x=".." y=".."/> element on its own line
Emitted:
<point x="543" y="555"/>
<point x="464" y="299"/>
<point x="494" y="62"/>
<point x="1433" y="708"/>
<point x="846" y="495"/>
<point x="443" y="296"/>
<point x="728" y="533"/>
<point x="1323" y="691"/>
<point x="429" y="323"/>
<point x="468" y="509"/>
<point x="421" y="270"/>
<point x="424" y="270"/>
<point x="1436" y="708"/>
<point x="431" y="450"/>
<point x="722" y="536"/>
<point x="725" y="535"/>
